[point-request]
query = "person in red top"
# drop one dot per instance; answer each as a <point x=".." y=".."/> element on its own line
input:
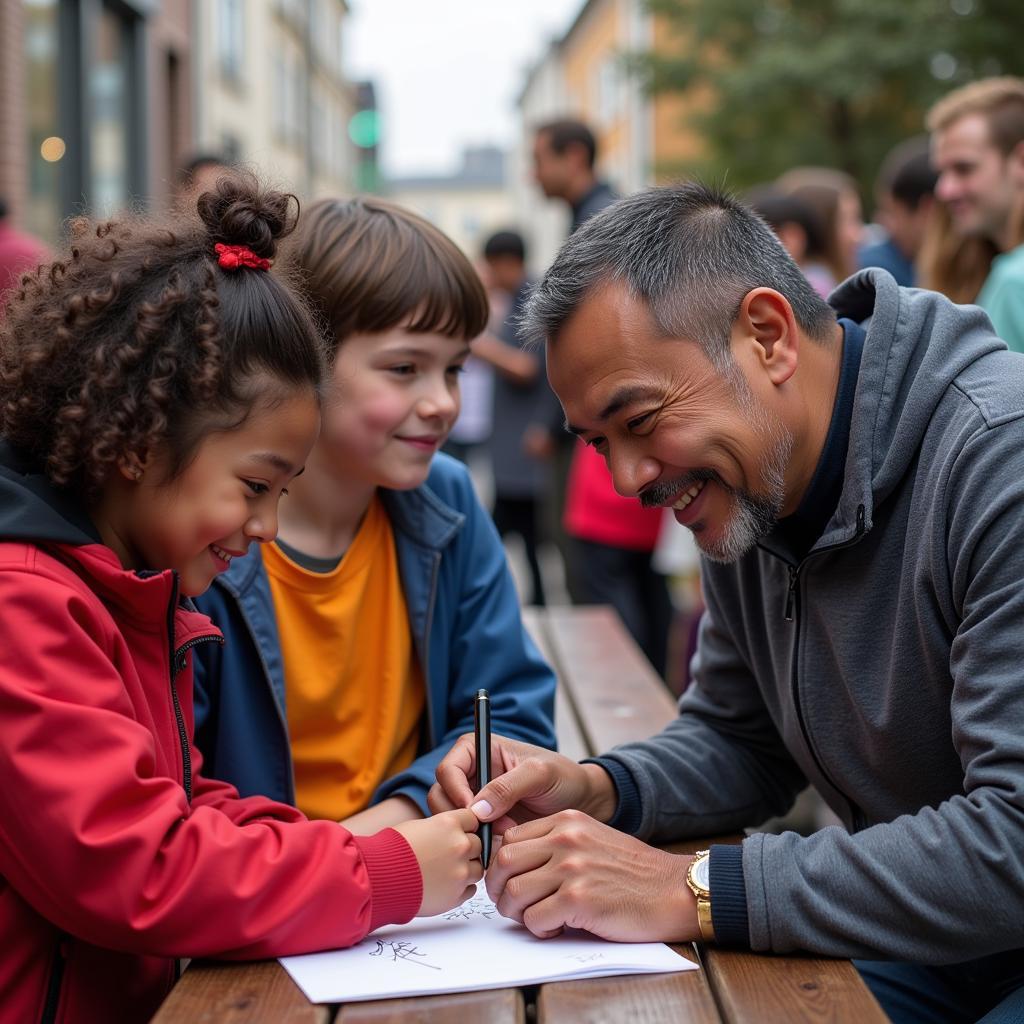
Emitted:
<point x="159" y="389"/>
<point x="18" y="253"/>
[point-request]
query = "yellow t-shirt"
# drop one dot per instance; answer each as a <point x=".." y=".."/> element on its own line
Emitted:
<point x="353" y="686"/>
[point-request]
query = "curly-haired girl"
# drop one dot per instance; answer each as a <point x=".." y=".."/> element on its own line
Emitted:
<point x="159" y="388"/>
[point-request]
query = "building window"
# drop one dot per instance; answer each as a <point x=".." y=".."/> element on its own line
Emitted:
<point x="46" y="147"/>
<point x="279" y="98"/>
<point x="608" y="89"/>
<point x="320" y="140"/>
<point x="231" y="38"/>
<point x="108" y="89"/>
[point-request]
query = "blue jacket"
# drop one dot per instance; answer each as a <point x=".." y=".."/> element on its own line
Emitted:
<point x="466" y="627"/>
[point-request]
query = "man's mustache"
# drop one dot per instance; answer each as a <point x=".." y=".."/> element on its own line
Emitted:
<point x="658" y="494"/>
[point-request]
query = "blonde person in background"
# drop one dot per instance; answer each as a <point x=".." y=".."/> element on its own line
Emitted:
<point x="977" y="135"/>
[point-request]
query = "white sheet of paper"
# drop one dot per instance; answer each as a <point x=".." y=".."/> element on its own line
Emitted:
<point x="471" y="947"/>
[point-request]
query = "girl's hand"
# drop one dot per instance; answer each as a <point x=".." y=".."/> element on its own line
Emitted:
<point x="449" y="855"/>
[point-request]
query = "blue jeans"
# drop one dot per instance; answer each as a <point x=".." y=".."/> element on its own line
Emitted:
<point x="988" y="991"/>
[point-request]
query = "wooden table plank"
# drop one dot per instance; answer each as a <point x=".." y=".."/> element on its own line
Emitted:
<point x="502" y="1006"/>
<point x="567" y="727"/>
<point x="223" y="993"/>
<point x="782" y="990"/>
<point x="652" y="998"/>
<point x="616" y="694"/>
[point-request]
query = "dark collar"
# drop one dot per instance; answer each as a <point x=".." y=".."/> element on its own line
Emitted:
<point x="795" y="535"/>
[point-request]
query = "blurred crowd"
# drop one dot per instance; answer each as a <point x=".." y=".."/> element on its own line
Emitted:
<point x="946" y="213"/>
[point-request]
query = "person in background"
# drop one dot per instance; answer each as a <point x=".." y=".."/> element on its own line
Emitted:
<point x="521" y="396"/>
<point x="564" y="159"/>
<point x="356" y="642"/>
<point x="199" y="174"/>
<point x="19" y="252"/>
<point x="904" y="200"/>
<point x="799" y="230"/>
<point x="833" y="196"/>
<point x="978" y="151"/>
<point x="610" y="539"/>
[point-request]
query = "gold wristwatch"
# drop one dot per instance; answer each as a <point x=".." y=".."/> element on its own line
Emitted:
<point x="698" y="878"/>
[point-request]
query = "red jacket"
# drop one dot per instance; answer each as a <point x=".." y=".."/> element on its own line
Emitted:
<point x="116" y="855"/>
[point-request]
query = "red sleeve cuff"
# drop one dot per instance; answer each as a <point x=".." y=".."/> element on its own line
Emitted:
<point x="396" y="882"/>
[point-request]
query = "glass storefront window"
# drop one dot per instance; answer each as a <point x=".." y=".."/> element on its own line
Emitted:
<point x="46" y="148"/>
<point x="108" y="81"/>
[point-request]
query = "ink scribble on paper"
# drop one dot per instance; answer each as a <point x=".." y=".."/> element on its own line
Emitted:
<point x="401" y="951"/>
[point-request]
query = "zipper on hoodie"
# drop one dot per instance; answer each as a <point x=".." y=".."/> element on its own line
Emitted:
<point x="54" y="983"/>
<point x="792" y="614"/>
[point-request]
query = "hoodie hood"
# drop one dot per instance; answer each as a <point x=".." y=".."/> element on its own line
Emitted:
<point x="32" y="509"/>
<point x="917" y="344"/>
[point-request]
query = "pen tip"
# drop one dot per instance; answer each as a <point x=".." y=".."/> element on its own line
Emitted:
<point x="483" y="694"/>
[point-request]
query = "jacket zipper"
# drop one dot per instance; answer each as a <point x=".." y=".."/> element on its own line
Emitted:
<point x="791" y="614"/>
<point x="54" y="983"/>
<point x="237" y="598"/>
<point x="425" y="667"/>
<point x="178" y="663"/>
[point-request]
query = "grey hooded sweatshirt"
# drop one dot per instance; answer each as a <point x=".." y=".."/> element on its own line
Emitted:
<point x="886" y="668"/>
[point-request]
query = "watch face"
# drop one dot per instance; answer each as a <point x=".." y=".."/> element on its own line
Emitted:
<point x="700" y="872"/>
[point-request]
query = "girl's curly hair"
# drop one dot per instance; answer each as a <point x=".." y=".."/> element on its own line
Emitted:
<point x="136" y="340"/>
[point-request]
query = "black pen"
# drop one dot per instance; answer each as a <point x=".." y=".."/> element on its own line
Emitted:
<point x="482" y="736"/>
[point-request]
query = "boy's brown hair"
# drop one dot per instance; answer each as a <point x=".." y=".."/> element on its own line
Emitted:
<point x="371" y="265"/>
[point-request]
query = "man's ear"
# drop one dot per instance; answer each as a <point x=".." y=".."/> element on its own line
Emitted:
<point x="766" y="328"/>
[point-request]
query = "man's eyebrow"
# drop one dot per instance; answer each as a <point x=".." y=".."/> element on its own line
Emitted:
<point x="275" y="460"/>
<point x="620" y="399"/>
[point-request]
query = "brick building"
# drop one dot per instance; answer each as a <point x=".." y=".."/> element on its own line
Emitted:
<point x="95" y="106"/>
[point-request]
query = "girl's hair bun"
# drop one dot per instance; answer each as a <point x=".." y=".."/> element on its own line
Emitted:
<point x="237" y="211"/>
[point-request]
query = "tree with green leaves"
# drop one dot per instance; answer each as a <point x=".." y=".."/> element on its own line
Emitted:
<point x="828" y="82"/>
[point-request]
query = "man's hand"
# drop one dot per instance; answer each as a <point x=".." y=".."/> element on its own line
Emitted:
<point x="569" y="871"/>
<point x="449" y="857"/>
<point x="527" y="782"/>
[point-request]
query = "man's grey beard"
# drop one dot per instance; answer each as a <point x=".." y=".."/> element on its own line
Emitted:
<point x="754" y="515"/>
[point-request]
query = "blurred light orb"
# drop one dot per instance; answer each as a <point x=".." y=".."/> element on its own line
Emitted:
<point x="943" y="66"/>
<point x="963" y="7"/>
<point x="52" y="149"/>
<point x="364" y="128"/>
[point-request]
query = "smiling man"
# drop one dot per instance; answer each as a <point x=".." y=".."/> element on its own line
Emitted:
<point x="854" y="476"/>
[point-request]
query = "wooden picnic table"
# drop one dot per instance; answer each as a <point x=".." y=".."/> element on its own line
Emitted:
<point x="608" y="693"/>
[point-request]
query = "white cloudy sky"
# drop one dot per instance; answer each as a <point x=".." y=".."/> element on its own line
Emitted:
<point x="448" y="71"/>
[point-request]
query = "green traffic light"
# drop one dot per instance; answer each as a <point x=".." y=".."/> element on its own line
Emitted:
<point x="364" y="128"/>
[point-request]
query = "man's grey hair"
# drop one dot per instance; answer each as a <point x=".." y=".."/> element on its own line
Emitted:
<point x="690" y="253"/>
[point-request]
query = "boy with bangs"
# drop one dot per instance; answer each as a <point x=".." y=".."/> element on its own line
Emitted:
<point x="356" y="642"/>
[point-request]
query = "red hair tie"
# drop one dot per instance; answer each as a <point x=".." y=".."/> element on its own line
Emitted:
<point x="231" y="257"/>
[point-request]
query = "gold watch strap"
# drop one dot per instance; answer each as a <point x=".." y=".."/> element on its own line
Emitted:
<point x="704" y="922"/>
